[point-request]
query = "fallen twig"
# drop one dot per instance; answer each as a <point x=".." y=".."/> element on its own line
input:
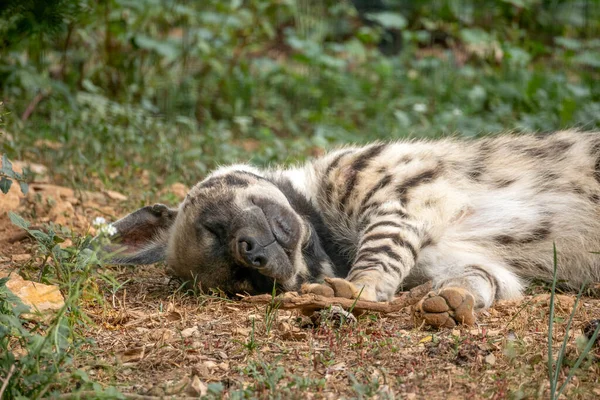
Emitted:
<point x="311" y="302"/>
<point x="87" y="394"/>
<point x="31" y="107"/>
<point x="11" y="371"/>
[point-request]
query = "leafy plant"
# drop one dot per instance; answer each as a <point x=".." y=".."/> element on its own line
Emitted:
<point x="8" y="175"/>
<point x="37" y="358"/>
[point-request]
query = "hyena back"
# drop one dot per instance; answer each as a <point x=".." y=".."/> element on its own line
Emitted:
<point x="479" y="218"/>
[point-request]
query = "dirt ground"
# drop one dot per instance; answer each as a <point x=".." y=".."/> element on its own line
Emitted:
<point x="149" y="338"/>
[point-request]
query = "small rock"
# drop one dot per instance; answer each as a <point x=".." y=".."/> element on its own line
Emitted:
<point x="210" y="364"/>
<point x="62" y="213"/>
<point x="11" y="200"/>
<point x="490" y="359"/>
<point x="115" y="195"/>
<point x="560" y="300"/>
<point x="336" y="314"/>
<point x="201" y="370"/>
<point x="163" y="335"/>
<point x="132" y="355"/>
<point x="38" y="296"/>
<point x="196" y="387"/>
<point x="21" y="257"/>
<point x="186" y="333"/>
<point x="224" y="366"/>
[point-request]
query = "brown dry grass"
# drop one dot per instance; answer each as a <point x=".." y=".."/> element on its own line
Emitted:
<point x="151" y="338"/>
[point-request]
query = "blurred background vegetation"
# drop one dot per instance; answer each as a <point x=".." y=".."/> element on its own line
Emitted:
<point x="110" y="92"/>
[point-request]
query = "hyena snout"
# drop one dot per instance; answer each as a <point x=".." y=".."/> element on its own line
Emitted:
<point x="251" y="252"/>
<point x="256" y="243"/>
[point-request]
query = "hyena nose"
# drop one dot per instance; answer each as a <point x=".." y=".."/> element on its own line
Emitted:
<point x="251" y="252"/>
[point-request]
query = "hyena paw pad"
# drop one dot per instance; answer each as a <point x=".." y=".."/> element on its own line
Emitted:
<point x="446" y="308"/>
<point x="333" y="287"/>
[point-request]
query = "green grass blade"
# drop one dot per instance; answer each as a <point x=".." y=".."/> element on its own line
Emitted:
<point x="550" y="328"/>
<point x="563" y="348"/>
<point x="582" y="356"/>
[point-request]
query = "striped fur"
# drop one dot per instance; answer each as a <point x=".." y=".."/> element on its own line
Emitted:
<point x="481" y="215"/>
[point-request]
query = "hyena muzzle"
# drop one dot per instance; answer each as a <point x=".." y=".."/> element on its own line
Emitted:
<point x="479" y="218"/>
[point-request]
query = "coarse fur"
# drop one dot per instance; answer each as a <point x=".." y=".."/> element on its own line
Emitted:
<point x="480" y="215"/>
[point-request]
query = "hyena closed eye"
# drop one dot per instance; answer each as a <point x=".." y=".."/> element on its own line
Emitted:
<point x="479" y="218"/>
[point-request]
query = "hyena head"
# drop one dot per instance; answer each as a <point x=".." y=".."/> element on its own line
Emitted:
<point x="235" y="231"/>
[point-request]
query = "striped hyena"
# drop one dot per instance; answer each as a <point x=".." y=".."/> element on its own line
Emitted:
<point x="479" y="218"/>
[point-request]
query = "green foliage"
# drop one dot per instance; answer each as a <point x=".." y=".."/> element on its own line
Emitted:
<point x="105" y="91"/>
<point x="7" y="173"/>
<point x="177" y="88"/>
<point x="36" y="355"/>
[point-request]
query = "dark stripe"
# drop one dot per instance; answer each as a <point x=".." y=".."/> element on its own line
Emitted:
<point x="398" y="225"/>
<point x="374" y="211"/>
<point x="225" y="180"/>
<point x="233" y="178"/>
<point x="396" y="239"/>
<point x="406" y="245"/>
<point x="328" y="184"/>
<point x="359" y="164"/>
<point x="424" y="177"/>
<point x="540" y="233"/>
<point x="492" y="279"/>
<point x="366" y="267"/>
<point x="399" y="213"/>
<point x="384" y="266"/>
<point x="383" y="182"/>
<point x="366" y="258"/>
<point x="502" y="183"/>
<point x="427" y="242"/>
<point x="334" y="163"/>
<point x="383" y="249"/>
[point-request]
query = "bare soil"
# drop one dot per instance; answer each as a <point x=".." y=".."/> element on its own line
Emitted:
<point x="150" y="338"/>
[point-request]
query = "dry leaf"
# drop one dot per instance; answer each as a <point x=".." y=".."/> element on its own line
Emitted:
<point x="426" y="339"/>
<point x="115" y="195"/>
<point x="197" y="387"/>
<point x="186" y="333"/>
<point x="132" y="355"/>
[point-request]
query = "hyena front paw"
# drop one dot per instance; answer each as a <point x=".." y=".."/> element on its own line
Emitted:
<point x="338" y="287"/>
<point x="446" y="308"/>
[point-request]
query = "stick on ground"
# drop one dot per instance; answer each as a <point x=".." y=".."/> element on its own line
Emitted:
<point x="311" y="302"/>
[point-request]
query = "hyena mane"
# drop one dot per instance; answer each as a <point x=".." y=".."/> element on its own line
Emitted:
<point x="479" y="218"/>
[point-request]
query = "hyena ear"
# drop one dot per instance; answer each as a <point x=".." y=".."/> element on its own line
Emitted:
<point x="141" y="237"/>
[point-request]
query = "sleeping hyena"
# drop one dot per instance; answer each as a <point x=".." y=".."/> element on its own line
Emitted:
<point x="479" y="218"/>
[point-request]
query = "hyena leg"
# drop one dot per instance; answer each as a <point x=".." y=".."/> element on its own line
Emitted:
<point x="387" y="250"/>
<point x="461" y="291"/>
